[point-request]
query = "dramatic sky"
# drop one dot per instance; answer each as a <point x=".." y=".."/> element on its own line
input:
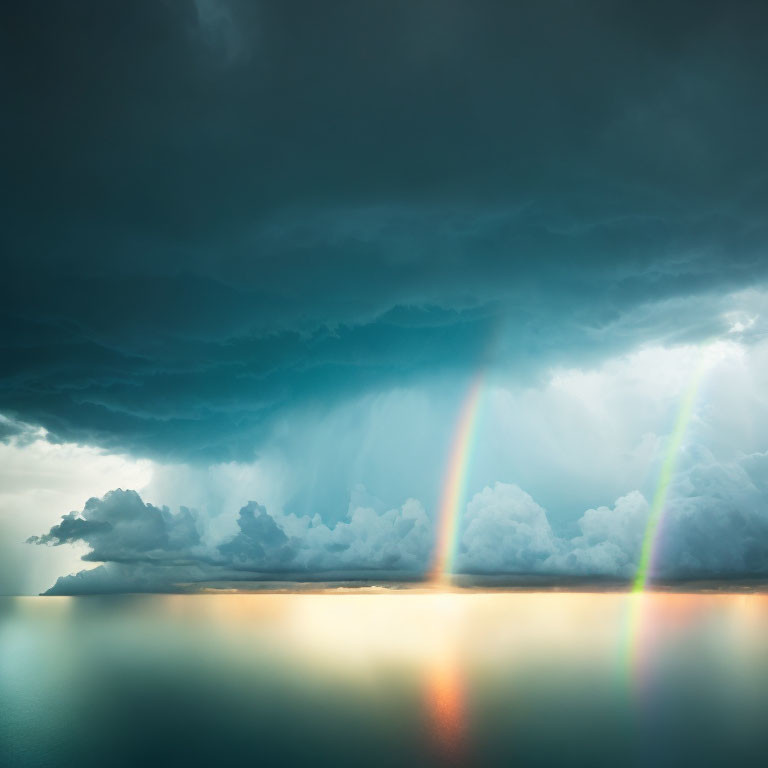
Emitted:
<point x="254" y="253"/>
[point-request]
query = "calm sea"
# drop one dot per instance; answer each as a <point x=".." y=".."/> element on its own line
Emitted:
<point x="397" y="679"/>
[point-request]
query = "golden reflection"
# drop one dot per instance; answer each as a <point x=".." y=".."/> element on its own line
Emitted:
<point x="446" y="706"/>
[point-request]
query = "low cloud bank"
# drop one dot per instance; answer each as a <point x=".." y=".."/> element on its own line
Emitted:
<point x="715" y="526"/>
<point x="146" y="548"/>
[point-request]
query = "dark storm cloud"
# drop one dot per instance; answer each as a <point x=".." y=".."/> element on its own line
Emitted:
<point x="122" y="528"/>
<point x="215" y="211"/>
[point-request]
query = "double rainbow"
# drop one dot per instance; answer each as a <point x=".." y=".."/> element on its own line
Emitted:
<point x="454" y="485"/>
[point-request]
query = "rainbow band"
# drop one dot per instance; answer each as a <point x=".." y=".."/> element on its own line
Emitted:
<point x="455" y="484"/>
<point x="632" y="645"/>
<point x="650" y="540"/>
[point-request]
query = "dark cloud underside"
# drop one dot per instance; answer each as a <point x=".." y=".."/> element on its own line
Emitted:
<point x="213" y="212"/>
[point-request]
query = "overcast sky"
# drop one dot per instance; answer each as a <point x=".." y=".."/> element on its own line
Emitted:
<point x="254" y="253"/>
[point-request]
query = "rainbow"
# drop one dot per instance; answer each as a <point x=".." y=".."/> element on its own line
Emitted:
<point x="635" y="625"/>
<point x="454" y="485"/>
<point x="650" y="539"/>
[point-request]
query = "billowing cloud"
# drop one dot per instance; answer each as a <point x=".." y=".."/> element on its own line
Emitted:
<point x="260" y="545"/>
<point x="611" y="539"/>
<point x="120" y="527"/>
<point x="718" y="521"/>
<point x="146" y="548"/>
<point x="505" y="530"/>
<point x="397" y="540"/>
<point x="715" y="526"/>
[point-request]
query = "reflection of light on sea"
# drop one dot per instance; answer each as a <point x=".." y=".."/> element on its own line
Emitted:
<point x="446" y="706"/>
<point x="445" y="681"/>
<point x="445" y="652"/>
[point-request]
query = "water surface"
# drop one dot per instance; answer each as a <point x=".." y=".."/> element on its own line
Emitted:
<point x="404" y="678"/>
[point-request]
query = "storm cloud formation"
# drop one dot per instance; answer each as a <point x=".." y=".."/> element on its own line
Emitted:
<point x="263" y="246"/>
<point x="215" y="212"/>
